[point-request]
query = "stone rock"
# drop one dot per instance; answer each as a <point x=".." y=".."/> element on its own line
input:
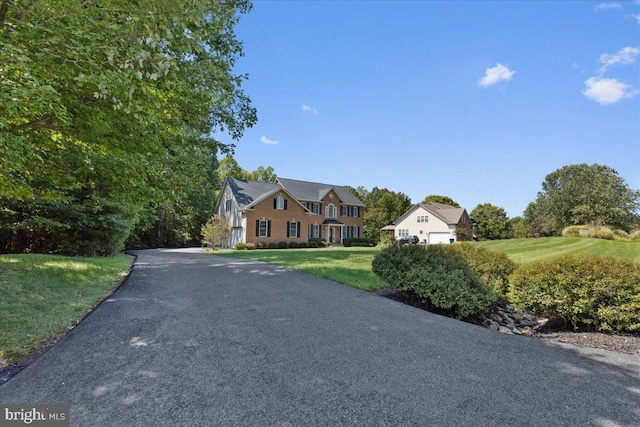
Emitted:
<point x="504" y="330"/>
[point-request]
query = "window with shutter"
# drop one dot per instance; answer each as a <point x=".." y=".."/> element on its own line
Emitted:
<point x="262" y="228"/>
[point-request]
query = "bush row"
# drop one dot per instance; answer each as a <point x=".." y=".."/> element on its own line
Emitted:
<point x="313" y="243"/>
<point x="360" y="241"/>
<point x="601" y="293"/>
<point x="464" y="281"/>
<point x="599" y="232"/>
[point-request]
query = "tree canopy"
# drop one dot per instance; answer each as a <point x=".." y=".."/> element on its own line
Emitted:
<point x="384" y="207"/>
<point x="106" y="108"/>
<point x="490" y="222"/>
<point x="584" y="194"/>
<point x="441" y="199"/>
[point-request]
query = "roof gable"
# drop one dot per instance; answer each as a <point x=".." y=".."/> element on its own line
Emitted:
<point x="450" y="215"/>
<point x="315" y="192"/>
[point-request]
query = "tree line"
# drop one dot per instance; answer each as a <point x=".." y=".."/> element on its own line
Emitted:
<point x="106" y="114"/>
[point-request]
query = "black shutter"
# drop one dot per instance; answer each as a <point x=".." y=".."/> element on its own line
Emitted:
<point x="257" y="228"/>
<point x="275" y="203"/>
<point x="268" y="228"/>
<point x="298" y="229"/>
<point x="288" y="228"/>
<point x="285" y="204"/>
<point x="320" y="208"/>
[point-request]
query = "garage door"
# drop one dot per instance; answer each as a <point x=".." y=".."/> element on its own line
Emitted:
<point x="435" y="238"/>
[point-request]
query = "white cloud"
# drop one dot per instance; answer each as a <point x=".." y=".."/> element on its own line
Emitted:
<point x="495" y="75"/>
<point x="607" y="6"/>
<point x="267" y="141"/>
<point x="624" y="56"/>
<point x="309" y="109"/>
<point x="607" y="91"/>
<point x="637" y="18"/>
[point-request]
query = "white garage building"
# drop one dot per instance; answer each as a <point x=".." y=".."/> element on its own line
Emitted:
<point x="434" y="223"/>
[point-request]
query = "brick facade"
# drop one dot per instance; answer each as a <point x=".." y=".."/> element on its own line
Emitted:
<point x="279" y="220"/>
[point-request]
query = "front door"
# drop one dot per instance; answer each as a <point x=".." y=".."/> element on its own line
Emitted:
<point x="332" y="234"/>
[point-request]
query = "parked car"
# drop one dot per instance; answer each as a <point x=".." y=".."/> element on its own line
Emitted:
<point x="413" y="240"/>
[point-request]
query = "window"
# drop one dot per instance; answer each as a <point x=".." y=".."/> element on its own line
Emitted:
<point x="280" y="203"/>
<point x="355" y="231"/>
<point x="345" y="232"/>
<point x="315" y="208"/>
<point x="331" y="211"/>
<point x="344" y="210"/>
<point x="463" y="220"/>
<point x="306" y="205"/>
<point x="293" y="229"/>
<point x="355" y="211"/>
<point x="403" y="232"/>
<point x="263" y="228"/>
<point x="227" y="205"/>
<point x="423" y="218"/>
<point x="315" y="230"/>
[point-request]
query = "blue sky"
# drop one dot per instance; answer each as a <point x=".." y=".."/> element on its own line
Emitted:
<point x="477" y="101"/>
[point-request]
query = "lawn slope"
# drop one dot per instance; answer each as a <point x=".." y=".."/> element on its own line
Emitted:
<point x="526" y="251"/>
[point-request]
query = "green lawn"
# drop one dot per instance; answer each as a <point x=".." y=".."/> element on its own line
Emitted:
<point x="350" y="266"/>
<point x="42" y="295"/>
<point x="526" y="251"/>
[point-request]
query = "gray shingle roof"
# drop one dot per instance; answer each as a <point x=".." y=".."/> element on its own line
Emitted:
<point x="449" y="214"/>
<point x="248" y="192"/>
<point x="314" y="191"/>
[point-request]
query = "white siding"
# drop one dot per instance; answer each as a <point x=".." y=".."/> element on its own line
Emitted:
<point x="434" y="230"/>
<point x="233" y="216"/>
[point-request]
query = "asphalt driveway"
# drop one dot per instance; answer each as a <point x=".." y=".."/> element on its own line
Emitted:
<point x="193" y="339"/>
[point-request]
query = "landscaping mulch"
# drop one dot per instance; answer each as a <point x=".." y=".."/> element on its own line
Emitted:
<point x="546" y="329"/>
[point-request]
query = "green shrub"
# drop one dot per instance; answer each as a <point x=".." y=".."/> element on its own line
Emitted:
<point x="492" y="268"/>
<point x="360" y="241"/>
<point x="602" y="293"/>
<point x="573" y="231"/>
<point x="250" y="246"/>
<point x="262" y="245"/>
<point x="620" y="234"/>
<point x="303" y="245"/>
<point x="313" y="244"/>
<point x="635" y="235"/>
<point x="321" y="242"/>
<point x="436" y="277"/>
<point x="593" y="231"/>
<point x="283" y="245"/>
<point x="240" y="246"/>
<point x="294" y="245"/>
<point x="601" y="232"/>
<point x="272" y="245"/>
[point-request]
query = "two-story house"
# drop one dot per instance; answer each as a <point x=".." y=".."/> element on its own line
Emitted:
<point x="288" y="210"/>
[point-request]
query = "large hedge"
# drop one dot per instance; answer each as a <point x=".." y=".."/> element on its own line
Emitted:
<point x="437" y="277"/>
<point x="597" y="292"/>
<point x="493" y="268"/>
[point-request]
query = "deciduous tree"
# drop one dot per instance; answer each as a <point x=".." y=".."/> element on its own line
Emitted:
<point x="490" y="222"/>
<point x="105" y="105"/>
<point x="441" y="199"/>
<point x="583" y="194"/>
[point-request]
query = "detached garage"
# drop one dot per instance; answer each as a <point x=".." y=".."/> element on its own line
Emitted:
<point x="434" y="223"/>
<point x="435" y="238"/>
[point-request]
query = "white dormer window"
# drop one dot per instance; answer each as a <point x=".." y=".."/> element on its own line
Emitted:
<point x="331" y="211"/>
<point x="280" y="202"/>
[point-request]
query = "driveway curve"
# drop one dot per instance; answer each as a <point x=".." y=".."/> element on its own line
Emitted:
<point x="193" y="339"/>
